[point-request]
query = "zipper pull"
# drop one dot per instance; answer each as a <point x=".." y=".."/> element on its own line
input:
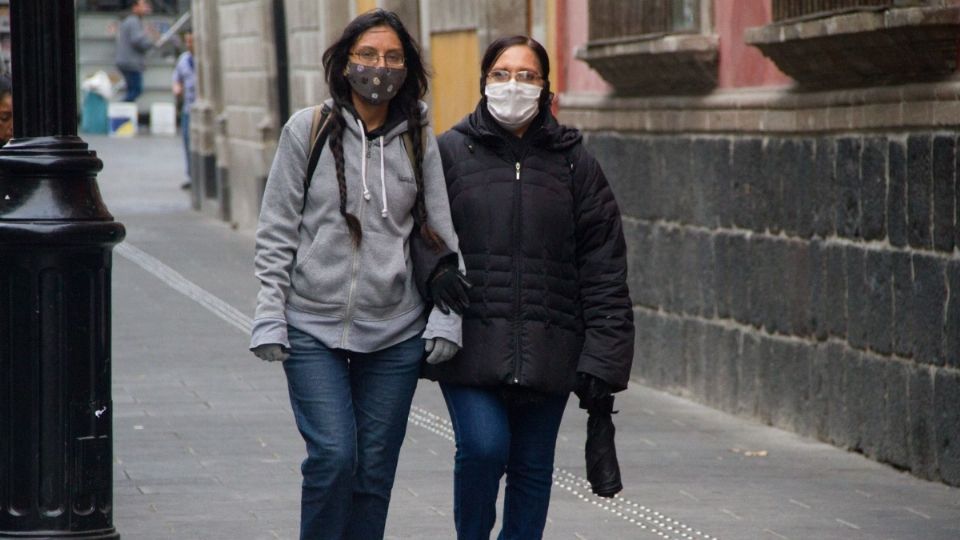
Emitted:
<point x="518" y="170"/>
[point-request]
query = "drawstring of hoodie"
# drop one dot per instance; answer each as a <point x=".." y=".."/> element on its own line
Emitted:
<point x="363" y="171"/>
<point x="363" y="161"/>
<point x="383" y="182"/>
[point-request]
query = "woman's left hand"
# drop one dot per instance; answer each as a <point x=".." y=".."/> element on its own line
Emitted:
<point x="440" y="350"/>
<point x="448" y="288"/>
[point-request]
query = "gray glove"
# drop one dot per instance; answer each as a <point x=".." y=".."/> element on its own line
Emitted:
<point x="271" y="352"/>
<point x="440" y="350"/>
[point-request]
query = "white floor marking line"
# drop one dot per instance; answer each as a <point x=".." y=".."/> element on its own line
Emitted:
<point x="643" y="517"/>
<point x="191" y="290"/>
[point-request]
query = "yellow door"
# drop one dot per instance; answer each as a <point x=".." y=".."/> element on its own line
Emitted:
<point x="455" y="87"/>
<point x="364" y="6"/>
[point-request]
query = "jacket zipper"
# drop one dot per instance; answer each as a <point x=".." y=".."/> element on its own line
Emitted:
<point x="348" y="315"/>
<point x="516" y="280"/>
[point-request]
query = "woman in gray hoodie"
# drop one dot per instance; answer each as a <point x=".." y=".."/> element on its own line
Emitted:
<point x="338" y="303"/>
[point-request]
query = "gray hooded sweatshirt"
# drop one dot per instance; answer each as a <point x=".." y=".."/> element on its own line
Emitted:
<point x="363" y="298"/>
<point x="132" y="44"/>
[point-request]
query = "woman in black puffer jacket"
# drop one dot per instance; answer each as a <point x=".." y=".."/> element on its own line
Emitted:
<point x="549" y="310"/>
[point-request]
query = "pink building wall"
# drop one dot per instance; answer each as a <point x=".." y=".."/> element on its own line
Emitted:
<point x="577" y="75"/>
<point x="741" y="65"/>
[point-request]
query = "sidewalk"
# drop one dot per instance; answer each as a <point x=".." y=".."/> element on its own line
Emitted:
<point x="206" y="447"/>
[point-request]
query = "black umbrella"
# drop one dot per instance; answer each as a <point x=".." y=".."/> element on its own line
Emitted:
<point x="603" y="470"/>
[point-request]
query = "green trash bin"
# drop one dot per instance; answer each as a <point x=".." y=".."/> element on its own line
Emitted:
<point x="94" y="114"/>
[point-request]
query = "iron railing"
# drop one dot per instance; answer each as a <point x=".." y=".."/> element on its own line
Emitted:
<point x="614" y="19"/>
<point x="810" y="9"/>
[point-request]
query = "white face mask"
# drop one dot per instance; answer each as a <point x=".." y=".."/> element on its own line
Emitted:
<point x="513" y="104"/>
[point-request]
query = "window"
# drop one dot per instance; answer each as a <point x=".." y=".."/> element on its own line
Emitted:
<point x="649" y="47"/>
<point x="791" y="9"/>
<point x="847" y="43"/>
<point x="613" y="19"/>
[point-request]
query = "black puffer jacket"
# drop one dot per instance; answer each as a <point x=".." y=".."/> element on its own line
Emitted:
<point x="541" y="237"/>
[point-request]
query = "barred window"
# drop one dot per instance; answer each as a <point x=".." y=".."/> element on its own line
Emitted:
<point x="844" y="43"/>
<point x="615" y="19"/>
<point x="652" y="47"/>
<point x="784" y="10"/>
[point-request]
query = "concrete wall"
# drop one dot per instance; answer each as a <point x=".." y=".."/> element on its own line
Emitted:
<point x="802" y="280"/>
<point x="795" y="257"/>
<point x="311" y="27"/>
<point x="248" y="72"/>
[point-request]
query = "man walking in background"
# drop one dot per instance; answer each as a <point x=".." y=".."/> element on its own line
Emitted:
<point x="134" y="39"/>
<point x="185" y="91"/>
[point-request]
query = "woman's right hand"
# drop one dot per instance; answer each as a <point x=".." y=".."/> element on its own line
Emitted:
<point x="271" y="352"/>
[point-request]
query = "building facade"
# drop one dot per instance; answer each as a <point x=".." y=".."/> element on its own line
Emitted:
<point x="787" y="172"/>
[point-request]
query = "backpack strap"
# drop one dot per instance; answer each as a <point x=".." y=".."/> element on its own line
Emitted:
<point x="318" y="138"/>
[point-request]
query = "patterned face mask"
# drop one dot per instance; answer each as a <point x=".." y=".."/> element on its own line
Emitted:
<point x="375" y="84"/>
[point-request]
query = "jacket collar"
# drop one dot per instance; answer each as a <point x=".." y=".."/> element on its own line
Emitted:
<point x="544" y="131"/>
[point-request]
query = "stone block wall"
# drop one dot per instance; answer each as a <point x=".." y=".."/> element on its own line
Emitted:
<point x="249" y="101"/>
<point x="811" y="281"/>
<point x="311" y="27"/>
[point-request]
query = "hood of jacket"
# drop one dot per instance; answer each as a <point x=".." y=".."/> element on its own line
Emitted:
<point x="394" y="126"/>
<point x="544" y="131"/>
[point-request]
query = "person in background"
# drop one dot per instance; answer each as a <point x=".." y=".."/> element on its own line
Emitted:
<point x="6" y="109"/>
<point x="134" y="39"/>
<point x="185" y="91"/>
<point x="338" y="303"/>
<point x="549" y="311"/>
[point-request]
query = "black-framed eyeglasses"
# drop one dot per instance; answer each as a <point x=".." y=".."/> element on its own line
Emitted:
<point x="370" y="57"/>
<point x="502" y="76"/>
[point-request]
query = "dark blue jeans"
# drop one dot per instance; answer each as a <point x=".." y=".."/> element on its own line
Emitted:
<point x="351" y="409"/>
<point x="185" y="132"/>
<point x="494" y="438"/>
<point x="134" y="80"/>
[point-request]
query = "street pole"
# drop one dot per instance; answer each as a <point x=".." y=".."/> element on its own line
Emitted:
<point x="56" y="237"/>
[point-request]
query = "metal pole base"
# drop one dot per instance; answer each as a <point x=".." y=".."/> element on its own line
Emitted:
<point x="56" y="412"/>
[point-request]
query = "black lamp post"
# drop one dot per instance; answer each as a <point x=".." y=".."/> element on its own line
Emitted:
<point x="56" y="236"/>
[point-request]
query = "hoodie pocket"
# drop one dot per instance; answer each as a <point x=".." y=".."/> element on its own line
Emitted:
<point x="382" y="273"/>
<point x="323" y="273"/>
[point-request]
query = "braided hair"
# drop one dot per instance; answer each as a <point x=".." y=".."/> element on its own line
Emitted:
<point x="407" y="99"/>
<point x="336" y="146"/>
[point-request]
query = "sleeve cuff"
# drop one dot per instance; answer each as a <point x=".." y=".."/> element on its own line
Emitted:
<point x="443" y="326"/>
<point x="269" y="331"/>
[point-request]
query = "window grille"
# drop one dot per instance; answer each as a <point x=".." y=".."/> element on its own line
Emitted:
<point x="810" y="9"/>
<point x="615" y="19"/>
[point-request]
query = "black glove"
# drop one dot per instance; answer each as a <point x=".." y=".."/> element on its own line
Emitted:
<point x="448" y="289"/>
<point x="594" y="393"/>
<point x="603" y="469"/>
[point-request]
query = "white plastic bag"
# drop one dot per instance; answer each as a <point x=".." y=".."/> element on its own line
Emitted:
<point x="98" y="83"/>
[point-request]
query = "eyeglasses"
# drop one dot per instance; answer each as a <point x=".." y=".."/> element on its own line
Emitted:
<point x="370" y="57"/>
<point x="502" y="76"/>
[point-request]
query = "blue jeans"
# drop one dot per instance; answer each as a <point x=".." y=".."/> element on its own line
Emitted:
<point x="351" y="409"/>
<point x="493" y="438"/>
<point x="134" y="80"/>
<point x="185" y="128"/>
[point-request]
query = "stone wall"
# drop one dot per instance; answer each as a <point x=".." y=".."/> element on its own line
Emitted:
<point x="311" y="27"/>
<point x="801" y="279"/>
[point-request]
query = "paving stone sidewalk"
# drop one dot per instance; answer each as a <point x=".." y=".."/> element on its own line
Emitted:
<point x="206" y="447"/>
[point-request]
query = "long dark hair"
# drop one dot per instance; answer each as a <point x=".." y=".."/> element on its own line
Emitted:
<point x="496" y="49"/>
<point x="414" y="87"/>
